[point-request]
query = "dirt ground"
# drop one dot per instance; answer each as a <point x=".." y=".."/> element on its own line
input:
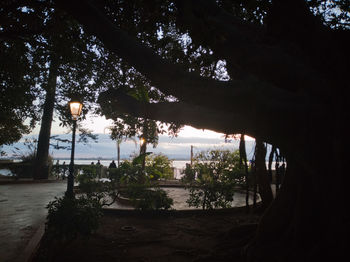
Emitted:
<point x="146" y="237"/>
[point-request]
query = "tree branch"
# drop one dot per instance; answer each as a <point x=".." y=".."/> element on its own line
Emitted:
<point x="173" y="79"/>
<point x="113" y="102"/>
<point x="249" y="48"/>
<point x="253" y="99"/>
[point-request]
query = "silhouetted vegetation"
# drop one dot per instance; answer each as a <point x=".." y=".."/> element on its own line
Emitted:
<point x="274" y="70"/>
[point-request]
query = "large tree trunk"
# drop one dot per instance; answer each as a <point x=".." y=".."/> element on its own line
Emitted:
<point x="281" y="99"/>
<point x="41" y="170"/>
<point x="306" y="221"/>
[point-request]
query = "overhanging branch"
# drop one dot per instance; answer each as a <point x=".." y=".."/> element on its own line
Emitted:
<point x="173" y="79"/>
<point x="250" y="122"/>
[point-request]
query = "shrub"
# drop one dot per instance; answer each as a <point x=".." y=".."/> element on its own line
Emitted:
<point x="126" y="173"/>
<point x="69" y="217"/>
<point x="159" y="166"/>
<point x="95" y="189"/>
<point x="88" y="173"/>
<point x="189" y="174"/>
<point x="146" y="198"/>
<point x="156" y="199"/>
<point x="218" y="172"/>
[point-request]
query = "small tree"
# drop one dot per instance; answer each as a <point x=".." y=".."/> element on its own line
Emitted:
<point x="158" y="166"/>
<point x="217" y="173"/>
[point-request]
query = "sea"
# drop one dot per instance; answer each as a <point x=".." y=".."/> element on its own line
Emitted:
<point x="178" y="165"/>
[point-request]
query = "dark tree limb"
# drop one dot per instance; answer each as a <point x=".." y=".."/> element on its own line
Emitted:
<point x="174" y="79"/>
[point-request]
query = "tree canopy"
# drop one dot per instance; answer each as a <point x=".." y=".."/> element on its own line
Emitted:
<point x="274" y="70"/>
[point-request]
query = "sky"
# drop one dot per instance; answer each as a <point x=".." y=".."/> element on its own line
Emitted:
<point x="99" y="125"/>
<point x="174" y="147"/>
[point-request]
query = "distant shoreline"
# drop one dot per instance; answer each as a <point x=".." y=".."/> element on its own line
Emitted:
<point x="110" y="158"/>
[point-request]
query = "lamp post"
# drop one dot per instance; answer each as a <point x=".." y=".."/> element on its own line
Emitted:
<point x="75" y="110"/>
<point x="143" y="145"/>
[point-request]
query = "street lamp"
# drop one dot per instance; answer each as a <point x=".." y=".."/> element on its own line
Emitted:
<point x="142" y="141"/>
<point x="143" y="145"/>
<point x="75" y="110"/>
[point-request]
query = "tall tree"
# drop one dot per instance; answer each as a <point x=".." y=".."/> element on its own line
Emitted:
<point x="60" y="65"/>
<point x="70" y="69"/>
<point x="286" y="62"/>
<point x="287" y="88"/>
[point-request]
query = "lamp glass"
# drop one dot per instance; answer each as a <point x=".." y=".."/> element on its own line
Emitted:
<point x="75" y="109"/>
<point x="142" y="140"/>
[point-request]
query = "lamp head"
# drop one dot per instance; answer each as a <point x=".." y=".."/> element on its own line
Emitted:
<point x="75" y="109"/>
<point x="142" y="141"/>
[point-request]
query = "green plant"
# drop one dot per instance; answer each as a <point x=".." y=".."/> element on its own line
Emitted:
<point x="211" y="195"/>
<point x="95" y="189"/>
<point x="218" y="172"/>
<point x="189" y="174"/>
<point x="159" y="166"/>
<point x="69" y="217"/>
<point x="127" y="172"/>
<point x="146" y="198"/>
<point x="88" y="173"/>
<point x="155" y="199"/>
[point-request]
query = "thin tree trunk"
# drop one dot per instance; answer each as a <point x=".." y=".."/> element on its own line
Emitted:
<point x="261" y="175"/>
<point x="243" y="161"/>
<point x="272" y="153"/>
<point x="118" y="152"/>
<point x="41" y="170"/>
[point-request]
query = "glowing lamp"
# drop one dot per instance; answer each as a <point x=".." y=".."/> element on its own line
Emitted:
<point x="142" y="140"/>
<point x="75" y="109"/>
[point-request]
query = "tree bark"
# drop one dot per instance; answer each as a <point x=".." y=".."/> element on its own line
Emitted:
<point x="243" y="161"/>
<point x="41" y="170"/>
<point x="262" y="175"/>
<point x="292" y="98"/>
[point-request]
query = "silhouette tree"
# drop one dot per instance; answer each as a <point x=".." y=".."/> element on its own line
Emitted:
<point x="274" y="70"/>
<point x="287" y="88"/>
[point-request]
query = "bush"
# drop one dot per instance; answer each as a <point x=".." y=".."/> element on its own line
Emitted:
<point x="189" y="174"/>
<point x="126" y="173"/>
<point x="146" y="198"/>
<point x="159" y="166"/>
<point x="218" y="172"/>
<point x="104" y="192"/>
<point x="69" y="217"/>
<point x="88" y="173"/>
<point x="156" y="167"/>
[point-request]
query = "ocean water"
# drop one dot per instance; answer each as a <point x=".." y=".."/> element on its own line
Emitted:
<point x="176" y="163"/>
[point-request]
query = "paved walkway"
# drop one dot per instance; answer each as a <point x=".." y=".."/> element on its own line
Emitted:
<point x="22" y="211"/>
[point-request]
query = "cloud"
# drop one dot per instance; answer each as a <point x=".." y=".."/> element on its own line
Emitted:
<point x="175" y="148"/>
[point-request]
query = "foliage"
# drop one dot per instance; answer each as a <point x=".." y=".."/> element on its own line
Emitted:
<point x="17" y="91"/>
<point x="24" y="169"/>
<point x="69" y="217"/>
<point x="146" y="198"/>
<point x="93" y="188"/>
<point x="217" y="173"/>
<point x="189" y="174"/>
<point x="27" y="156"/>
<point x="211" y="194"/>
<point x="127" y="172"/>
<point x="87" y="173"/>
<point x="158" y="166"/>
